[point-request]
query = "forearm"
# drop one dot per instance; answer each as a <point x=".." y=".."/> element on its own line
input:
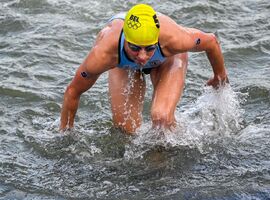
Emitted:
<point x="69" y="108"/>
<point x="216" y="59"/>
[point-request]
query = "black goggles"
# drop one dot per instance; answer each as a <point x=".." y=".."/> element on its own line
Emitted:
<point x="136" y="48"/>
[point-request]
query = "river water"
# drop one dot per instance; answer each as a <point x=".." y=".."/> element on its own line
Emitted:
<point x="219" y="149"/>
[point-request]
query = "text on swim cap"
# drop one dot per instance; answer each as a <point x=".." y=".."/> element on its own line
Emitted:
<point x="156" y="21"/>
<point x="133" y="22"/>
<point x="134" y="18"/>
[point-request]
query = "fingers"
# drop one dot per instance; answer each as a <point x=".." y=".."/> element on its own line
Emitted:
<point x="67" y="122"/>
<point x="63" y="123"/>
<point x="71" y="119"/>
<point x="216" y="82"/>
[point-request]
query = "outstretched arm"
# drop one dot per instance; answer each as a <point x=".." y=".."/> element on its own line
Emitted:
<point x="180" y="39"/>
<point x="208" y="42"/>
<point x="102" y="57"/>
<point x="80" y="83"/>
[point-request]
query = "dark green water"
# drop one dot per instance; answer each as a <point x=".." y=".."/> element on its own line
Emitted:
<point x="220" y="149"/>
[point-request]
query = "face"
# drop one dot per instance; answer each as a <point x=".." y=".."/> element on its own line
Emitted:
<point x="140" y="54"/>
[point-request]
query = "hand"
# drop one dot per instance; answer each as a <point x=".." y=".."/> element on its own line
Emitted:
<point x="67" y="118"/>
<point x="65" y="124"/>
<point x="68" y="112"/>
<point x="217" y="81"/>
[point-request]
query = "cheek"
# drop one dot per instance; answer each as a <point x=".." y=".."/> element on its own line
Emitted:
<point x="133" y="53"/>
<point x="150" y="54"/>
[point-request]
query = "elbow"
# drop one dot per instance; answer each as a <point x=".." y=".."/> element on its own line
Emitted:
<point x="215" y="39"/>
<point x="213" y="42"/>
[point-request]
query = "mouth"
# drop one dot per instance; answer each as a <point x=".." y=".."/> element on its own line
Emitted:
<point x="139" y="62"/>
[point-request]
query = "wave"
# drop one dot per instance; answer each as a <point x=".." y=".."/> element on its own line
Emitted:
<point x="14" y="93"/>
<point x="10" y="24"/>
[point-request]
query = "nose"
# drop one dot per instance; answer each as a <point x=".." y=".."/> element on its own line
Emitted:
<point x="142" y="56"/>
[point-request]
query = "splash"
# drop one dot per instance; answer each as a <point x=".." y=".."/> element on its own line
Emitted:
<point x="128" y="92"/>
<point x="215" y="114"/>
<point x="218" y="111"/>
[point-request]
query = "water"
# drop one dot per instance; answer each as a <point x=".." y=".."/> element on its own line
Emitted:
<point x="219" y="149"/>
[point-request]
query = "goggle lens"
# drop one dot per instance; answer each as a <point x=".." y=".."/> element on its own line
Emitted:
<point x="136" y="48"/>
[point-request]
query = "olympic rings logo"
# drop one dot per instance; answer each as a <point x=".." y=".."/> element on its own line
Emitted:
<point x="134" y="25"/>
<point x="133" y="22"/>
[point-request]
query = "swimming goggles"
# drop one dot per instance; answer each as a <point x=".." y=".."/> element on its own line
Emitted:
<point x="136" y="48"/>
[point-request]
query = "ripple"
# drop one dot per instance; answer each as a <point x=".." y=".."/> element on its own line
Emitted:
<point x="27" y="96"/>
<point x="13" y="24"/>
<point x="52" y="107"/>
<point x="45" y="78"/>
<point x="257" y="93"/>
<point x="30" y="4"/>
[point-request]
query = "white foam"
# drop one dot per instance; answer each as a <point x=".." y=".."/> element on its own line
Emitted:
<point x="216" y="113"/>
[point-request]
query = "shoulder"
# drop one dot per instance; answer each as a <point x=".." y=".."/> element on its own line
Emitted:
<point x="104" y="52"/>
<point x="110" y="33"/>
<point x="168" y="27"/>
<point x="107" y="40"/>
<point x="171" y="34"/>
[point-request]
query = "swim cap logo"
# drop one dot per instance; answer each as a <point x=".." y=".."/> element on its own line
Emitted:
<point x="133" y="22"/>
<point x="156" y="21"/>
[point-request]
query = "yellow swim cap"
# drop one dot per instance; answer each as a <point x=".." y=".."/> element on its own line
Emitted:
<point x="141" y="25"/>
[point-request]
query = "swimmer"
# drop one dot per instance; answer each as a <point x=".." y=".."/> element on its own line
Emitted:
<point x="147" y="43"/>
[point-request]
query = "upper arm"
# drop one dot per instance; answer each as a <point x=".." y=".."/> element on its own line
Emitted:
<point x="181" y="39"/>
<point x="198" y="40"/>
<point x="102" y="57"/>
